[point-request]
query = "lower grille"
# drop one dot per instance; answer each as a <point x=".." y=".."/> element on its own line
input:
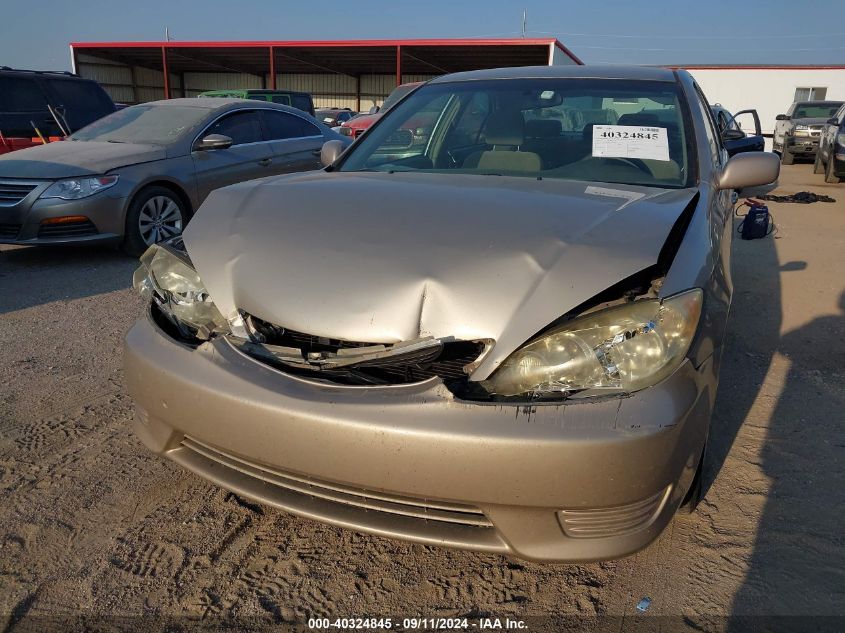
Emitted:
<point x="9" y="231"/>
<point x="12" y="192"/>
<point x="368" y="500"/>
<point x="604" y="522"/>
<point x="68" y="229"/>
<point x="448" y="364"/>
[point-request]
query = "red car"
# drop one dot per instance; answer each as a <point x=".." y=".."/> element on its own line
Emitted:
<point x="355" y="126"/>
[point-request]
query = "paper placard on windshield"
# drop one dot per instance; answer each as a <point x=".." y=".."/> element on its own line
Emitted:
<point x="630" y="141"/>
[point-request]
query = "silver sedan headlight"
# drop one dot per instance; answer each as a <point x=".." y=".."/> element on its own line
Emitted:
<point x="167" y="278"/>
<point x="76" y="188"/>
<point x="620" y="349"/>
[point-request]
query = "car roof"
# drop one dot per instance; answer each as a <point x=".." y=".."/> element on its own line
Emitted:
<point x="564" y="72"/>
<point x="220" y="103"/>
<point x="820" y="102"/>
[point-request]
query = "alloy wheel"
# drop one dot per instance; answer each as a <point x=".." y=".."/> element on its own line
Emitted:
<point x="160" y="218"/>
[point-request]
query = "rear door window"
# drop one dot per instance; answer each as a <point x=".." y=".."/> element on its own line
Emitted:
<point x="82" y="101"/>
<point x="302" y="102"/>
<point x="279" y="126"/>
<point x="241" y="127"/>
<point x="283" y="99"/>
<point x="19" y="94"/>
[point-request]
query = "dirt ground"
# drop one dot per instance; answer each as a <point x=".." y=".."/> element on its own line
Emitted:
<point x="91" y="523"/>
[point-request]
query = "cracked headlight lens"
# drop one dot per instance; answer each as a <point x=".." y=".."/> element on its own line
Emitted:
<point x="620" y="349"/>
<point x="168" y="279"/>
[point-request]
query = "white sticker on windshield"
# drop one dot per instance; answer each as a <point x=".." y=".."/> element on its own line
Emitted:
<point x="630" y="141"/>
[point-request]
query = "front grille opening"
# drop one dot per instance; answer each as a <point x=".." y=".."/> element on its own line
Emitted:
<point x="448" y="364"/>
<point x="9" y="231"/>
<point x="337" y="494"/>
<point x="13" y="192"/>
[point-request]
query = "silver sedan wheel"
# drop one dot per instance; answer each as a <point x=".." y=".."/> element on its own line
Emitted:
<point x="160" y="218"/>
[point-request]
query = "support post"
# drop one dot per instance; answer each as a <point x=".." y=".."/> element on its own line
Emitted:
<point x="135" y="91"/>
<point x="357" y="93"/>
<point x="166" y="72"/>
<point x="272" y="68"/>
<point x="398" y="64"/>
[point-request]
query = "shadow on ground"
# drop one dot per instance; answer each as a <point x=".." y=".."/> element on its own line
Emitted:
<point x="31" y="276"/>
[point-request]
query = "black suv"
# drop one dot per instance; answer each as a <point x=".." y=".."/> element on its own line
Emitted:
<point x="830" y="159"/>
<point x="28" y="96"/>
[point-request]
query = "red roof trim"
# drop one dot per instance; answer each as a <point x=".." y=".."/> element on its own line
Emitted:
<point x="325" y="43"/>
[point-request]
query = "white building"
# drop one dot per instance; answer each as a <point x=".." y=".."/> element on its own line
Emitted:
<point x="768" y="89"/>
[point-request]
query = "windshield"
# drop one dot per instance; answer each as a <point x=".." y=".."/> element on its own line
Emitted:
<point x="815" y="110"/>
<point x="613" y="131"/>
<point x="156" y="125"/>
<point x="396" y="95"/>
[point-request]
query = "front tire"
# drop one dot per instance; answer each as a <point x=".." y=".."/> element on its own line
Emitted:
<point x="829" y="176"/>
<point x="696" y="490"/>
<point x="156" y="214"/>
<point x="818" y="166"/>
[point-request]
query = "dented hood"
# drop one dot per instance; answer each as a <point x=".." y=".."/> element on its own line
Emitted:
<point x="382" y="257"/>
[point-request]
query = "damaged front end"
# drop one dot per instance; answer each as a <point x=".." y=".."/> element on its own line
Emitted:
<point x="182" y="307"/>
<point x="179" y="301"/>
<point x="358" y="363"/>
<point x="628" y="337"/>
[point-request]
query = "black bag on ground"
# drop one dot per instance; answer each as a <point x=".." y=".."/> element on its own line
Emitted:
<point x="756" y="223"/>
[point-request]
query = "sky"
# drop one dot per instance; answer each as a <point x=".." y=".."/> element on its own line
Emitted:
<point x="36" y="33"/>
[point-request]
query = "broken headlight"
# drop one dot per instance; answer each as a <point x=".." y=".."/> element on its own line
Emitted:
<point x="620" y="349"/>
<point x="167" y="278"/>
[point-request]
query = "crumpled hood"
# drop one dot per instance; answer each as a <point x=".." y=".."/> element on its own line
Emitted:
<point x="383" y="257"/>
<point x="67" y="159"/>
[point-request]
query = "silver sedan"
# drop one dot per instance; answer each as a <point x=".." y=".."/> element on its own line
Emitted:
<point x="138" y="175"/>
<point x="495" y="322"/>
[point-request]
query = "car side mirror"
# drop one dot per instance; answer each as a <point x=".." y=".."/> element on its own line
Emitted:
<point x="374" y="109"/>
<point x="833" y="121"/>
<point x="732" y="135"/>
<point x="749" y="169"/>
<point x="330" y="152"/>
<point x="214" y="141"/>
<point x="782" y="117"/>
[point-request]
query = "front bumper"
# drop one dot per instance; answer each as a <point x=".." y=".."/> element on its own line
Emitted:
<point x="23" y="223"/>
<point x="802" y="145"/>
<point x="574" y="482"/>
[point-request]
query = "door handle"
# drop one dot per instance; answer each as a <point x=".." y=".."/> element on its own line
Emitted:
<point x="264" y="162"/>
<point x="316" y="152"/>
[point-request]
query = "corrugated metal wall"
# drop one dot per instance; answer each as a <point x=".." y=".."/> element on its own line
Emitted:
<point x="328" y="91"/>
<point x="375" y="88"/>
<point x="196" y="83"/>
<point x="126" y="84"/>
<point x="151" y="85"/>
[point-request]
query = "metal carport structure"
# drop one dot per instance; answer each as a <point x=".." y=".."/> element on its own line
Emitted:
<point x="338" y="71"/>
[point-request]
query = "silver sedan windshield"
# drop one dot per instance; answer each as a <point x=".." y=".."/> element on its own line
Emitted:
<point x="617" y="131"/>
